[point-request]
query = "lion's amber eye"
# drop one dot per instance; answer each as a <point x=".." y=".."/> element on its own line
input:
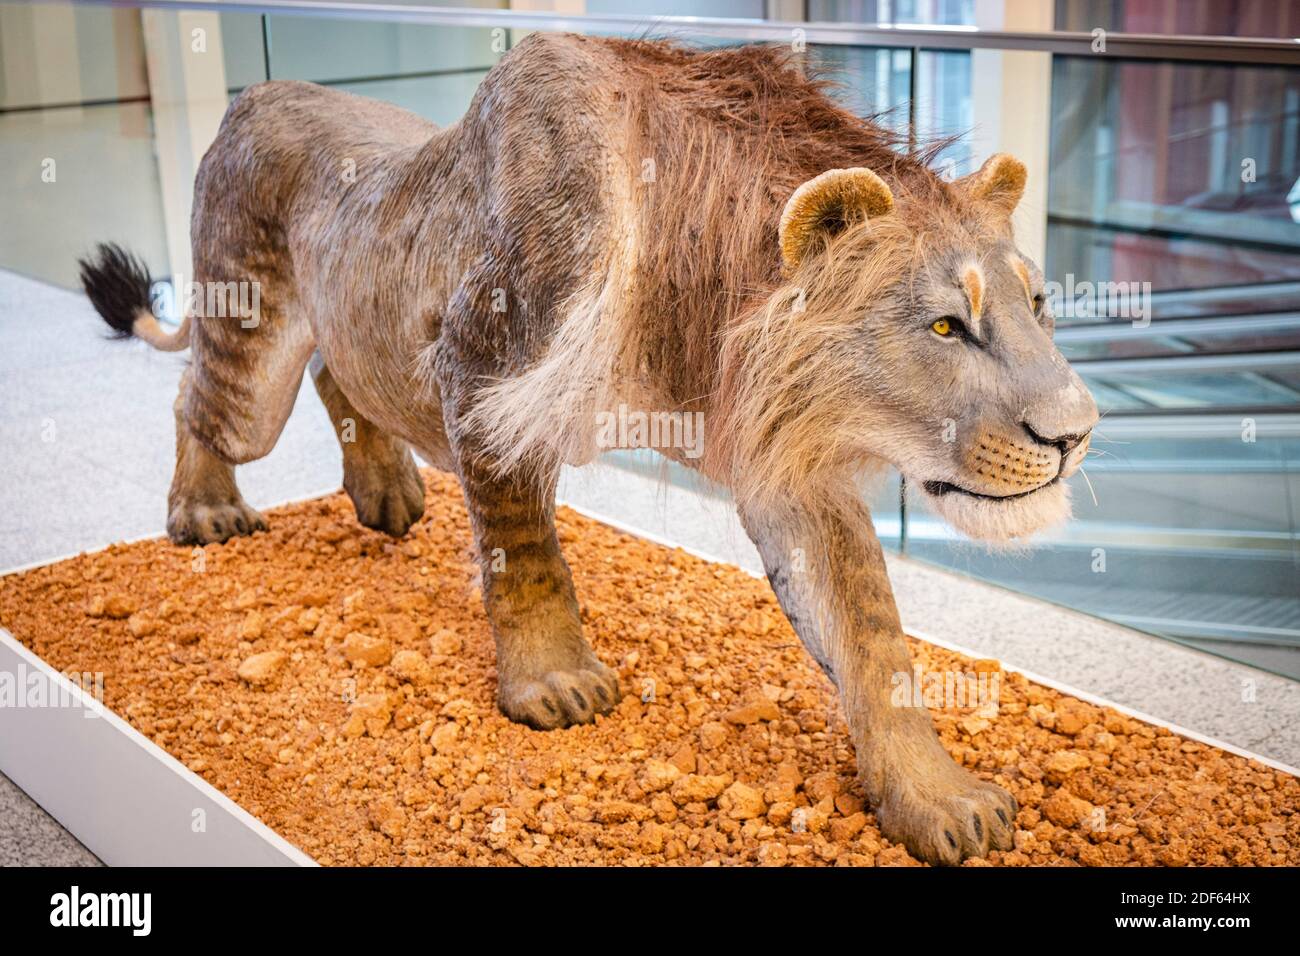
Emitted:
<point x="942" y="327"/>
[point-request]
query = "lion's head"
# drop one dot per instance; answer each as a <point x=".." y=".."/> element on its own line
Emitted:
<point x="910" y="329"/>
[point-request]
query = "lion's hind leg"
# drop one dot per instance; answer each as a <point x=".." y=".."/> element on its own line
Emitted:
<point x="249" y="346"/>
<point x="379" y="473"/>
<point x="204" y="504"/>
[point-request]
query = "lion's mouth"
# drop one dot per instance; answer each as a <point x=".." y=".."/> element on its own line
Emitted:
<point x="941" y="488"/>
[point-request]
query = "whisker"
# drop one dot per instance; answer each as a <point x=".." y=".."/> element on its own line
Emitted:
<point x="1088" y="482"/>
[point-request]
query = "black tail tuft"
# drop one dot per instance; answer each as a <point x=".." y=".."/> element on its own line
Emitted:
<point x="117" y="284"/>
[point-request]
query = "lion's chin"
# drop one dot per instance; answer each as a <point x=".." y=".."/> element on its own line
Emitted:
<point x="1002" y="521"/>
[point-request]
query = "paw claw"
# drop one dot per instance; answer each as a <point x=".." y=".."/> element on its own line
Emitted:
<point x="948" y="815"/>
<point x="560" y="698"/>
<point x="193" y="522"/>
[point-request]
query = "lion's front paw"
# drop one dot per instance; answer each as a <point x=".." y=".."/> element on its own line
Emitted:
<point x="560" y="697"/>
<point x="944" y="815"/>
<point x="196" y="522"/>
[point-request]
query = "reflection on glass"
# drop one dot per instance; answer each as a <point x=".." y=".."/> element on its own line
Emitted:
<point x="944" y="106"/>
<point x="1175" y="175"/>
<point x="869" y="81"/>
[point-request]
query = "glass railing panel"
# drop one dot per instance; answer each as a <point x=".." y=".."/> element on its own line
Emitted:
<point x="1174" y="176"/>
<point x="1183" y="527"/>
<point x="899" y="12"/>
<point x="1265" y="332"/>
<point x="945" y="108"/>
<point x="1176" y="272"/>
<point x="76" y="138"/>
<point x="77" y="176"/>
<point x="333" y="51"/>
<point x="736" y="9"/>
<point x="870" y="81"/>
<point x="1240" y="18"/>
<point x="442" y="99"/>
<point x="1258" y="384"/>
<point x="57" y="54"/>
<point x="245" y="48"/>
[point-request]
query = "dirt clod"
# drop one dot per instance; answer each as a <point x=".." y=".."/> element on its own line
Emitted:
<point x="753" y="712"/>
<point x="699" y="788"/>
<point x="118" y="607"/>
<point x="365" y="649"/>
<point x="741" y="802"/>
<point x="261" y="669"/>
<point x="1065" y="809"/>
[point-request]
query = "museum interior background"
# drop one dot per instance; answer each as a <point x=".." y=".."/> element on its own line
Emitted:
<point x="1172" y="183"/>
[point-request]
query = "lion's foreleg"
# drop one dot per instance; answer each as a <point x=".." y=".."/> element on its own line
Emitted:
<point x="828" y="572"/>
<point x="547" y="674"/>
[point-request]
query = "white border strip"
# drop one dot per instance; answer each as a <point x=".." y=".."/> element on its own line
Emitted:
<point x="130" y="802"/>
<point x="978" y="655"/>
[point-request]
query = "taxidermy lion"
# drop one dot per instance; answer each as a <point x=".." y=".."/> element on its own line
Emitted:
<point x="632" y="223"/>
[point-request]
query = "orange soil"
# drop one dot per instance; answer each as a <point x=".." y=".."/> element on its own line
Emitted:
<point x="339" y="685"/>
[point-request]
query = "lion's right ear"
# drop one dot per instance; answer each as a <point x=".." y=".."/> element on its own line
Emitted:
<point x="1000" y="181"/>
<point x="826" y="204"/>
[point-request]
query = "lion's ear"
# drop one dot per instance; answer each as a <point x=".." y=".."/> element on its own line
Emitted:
<point x="826" y="204"/>
<point x="1000" y="181"/>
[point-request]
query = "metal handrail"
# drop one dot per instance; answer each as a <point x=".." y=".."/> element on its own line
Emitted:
<point x="1123" y="46"/>
<point x="1107" y="331"/>
<point x="1170" y="364"/>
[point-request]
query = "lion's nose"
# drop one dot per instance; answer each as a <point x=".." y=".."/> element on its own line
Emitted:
<point x="1065" y="443"/>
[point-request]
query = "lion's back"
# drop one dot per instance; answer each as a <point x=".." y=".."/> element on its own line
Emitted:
<point x="284" y="137"/>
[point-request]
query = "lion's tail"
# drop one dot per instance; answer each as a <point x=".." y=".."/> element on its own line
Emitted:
<point x="117" y="284"/>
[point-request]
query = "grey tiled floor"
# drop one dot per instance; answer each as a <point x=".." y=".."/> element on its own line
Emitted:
<point x="29" y="837"/>
<point x="86" y="432"/>
<point x="86" y="456"/>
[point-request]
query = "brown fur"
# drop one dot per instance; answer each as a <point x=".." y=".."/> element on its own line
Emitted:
<point x="603" y="229"/>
